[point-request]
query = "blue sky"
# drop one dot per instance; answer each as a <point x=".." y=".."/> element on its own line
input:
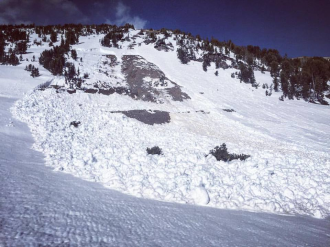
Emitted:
<point x="295" y="27"/>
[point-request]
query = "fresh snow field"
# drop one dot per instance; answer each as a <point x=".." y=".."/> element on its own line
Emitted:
<point x="287" y="173"/>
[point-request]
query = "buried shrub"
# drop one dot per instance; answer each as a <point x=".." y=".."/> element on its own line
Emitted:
<point x="229" y="110"/>
<point x="75" y="123"/>
<point x="154" y="150"/>
<point x="221" y="153"/>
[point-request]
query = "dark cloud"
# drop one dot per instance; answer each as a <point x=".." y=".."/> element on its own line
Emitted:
<point x="43" y="12"/>
<point x="40" y="12"/>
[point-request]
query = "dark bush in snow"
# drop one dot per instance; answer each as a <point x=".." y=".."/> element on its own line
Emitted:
<point x="74" y="54"/>
<point x="75" y="123"/>
<point x="182" y="55"/>
<point x="221" y="153"/>
<point x="53" y="59"/>
<point x="112" y="38"/>
<point x="246" y="74"/>
<point x="34" y="71"/>
<point x="154" y="150"/>
<point x="229" y="110"/>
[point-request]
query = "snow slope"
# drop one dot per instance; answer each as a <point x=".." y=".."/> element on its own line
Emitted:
<point x="288" y="141"/>
<point x="40" y="207"/>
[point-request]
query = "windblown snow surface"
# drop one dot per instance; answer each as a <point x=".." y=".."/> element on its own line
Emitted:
<point x="289" y="167"/>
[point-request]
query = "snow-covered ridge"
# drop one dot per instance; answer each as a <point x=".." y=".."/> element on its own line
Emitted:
<point x="289" y="165"/>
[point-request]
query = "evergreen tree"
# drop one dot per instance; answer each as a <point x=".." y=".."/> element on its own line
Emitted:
<point x="275" y="83"/>
<point x="21" y="47"/>
<point x="318" y="71"/>
<point x="13" y="59"/>
<point x="71" y="37"/>
<point x="274" y="69"/>
<point x="74" y="54"/>
<point x="53" y="60"/>
<point x="250" y="60"/>
<point x="2" y="47"/>
<point x="35" y="72"/>
<point x="263" y="69"/>
<point x="284" y="83"/>
<point x="53" y="36"/>
<point x="182" y="55"/>
<point x="206" y="62"/>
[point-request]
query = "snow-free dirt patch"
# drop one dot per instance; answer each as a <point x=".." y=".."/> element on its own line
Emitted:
<point x="148" y="116"/>
<point x="147" y="82"/>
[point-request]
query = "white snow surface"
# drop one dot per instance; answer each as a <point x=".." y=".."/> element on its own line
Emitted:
<point x="40" y="207"/>
<point x="289" y="167"/>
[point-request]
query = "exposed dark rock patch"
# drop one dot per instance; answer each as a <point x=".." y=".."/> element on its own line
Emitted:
<point x="75" y="123"/>
<point x="154" y="150"/>
<point x="112" y="90"/>
<point x="203" y="112"/>
<point x="177" y="94"/>
<point x="71" y="91"/>
<point x="147" y="82"/>
<point x="147" y="117"/>
<point x="104" y="91"/>
<point x="56" y="86"/>
<point x="90" y="90"/>
<point x="113" y="60"/>
<point x="229" y="110"/>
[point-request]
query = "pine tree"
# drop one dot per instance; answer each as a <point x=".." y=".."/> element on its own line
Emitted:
<point x="13" y="59"/>
<point x="182" y="56"/>
<point x="21" y="47"/>
<point x="74" y="54"/>
<point x="53" y="37"/>
<point x="275" y="82"/>
<point x="35" y="72"/>
<point x="62" y="41"/>
<point x="274" y="69"/>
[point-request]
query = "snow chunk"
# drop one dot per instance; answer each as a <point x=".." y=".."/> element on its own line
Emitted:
<point x="200" y="196"/>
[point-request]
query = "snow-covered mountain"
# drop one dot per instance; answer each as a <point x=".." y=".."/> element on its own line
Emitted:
<point x="130" y="93"/>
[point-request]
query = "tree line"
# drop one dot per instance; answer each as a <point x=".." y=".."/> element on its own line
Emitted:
<point x="305" y="78"/>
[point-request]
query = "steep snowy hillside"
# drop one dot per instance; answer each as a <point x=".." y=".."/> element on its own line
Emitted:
<point x="139" y="95"/>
